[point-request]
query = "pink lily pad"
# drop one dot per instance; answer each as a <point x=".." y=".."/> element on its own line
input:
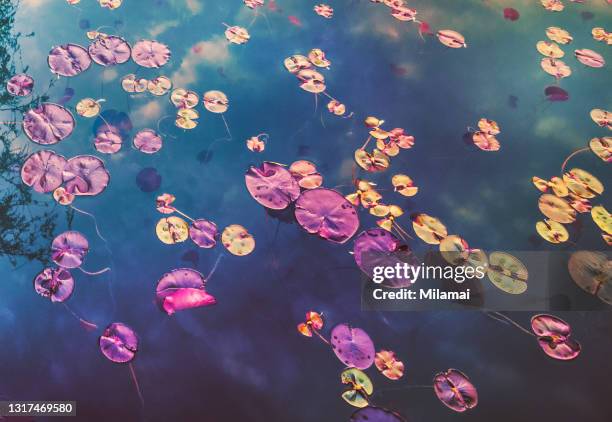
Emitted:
<point x="119" y="343"/>
<point x="182" y="289"/>
<point x="86" y="175"/>
<point x="353" y="346"/>
<point x="272" y="185"/>
<point x="69" y="249"/>
<point x="48" y="123"/>
<point x="43" y="171"/>
<point x="55" y="284"/>
<point x="455" y="390"/>
<point x="328" y="214"/>
<point x="554" y="337"/>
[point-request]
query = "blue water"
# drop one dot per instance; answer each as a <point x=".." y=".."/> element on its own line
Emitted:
<point x="243" y="359"/>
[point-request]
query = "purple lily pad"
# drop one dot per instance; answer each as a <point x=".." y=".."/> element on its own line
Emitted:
<point x="380" y="248"/>
<point x="182" y="289"/>
<point x="554" y="337"/>
<point x="375" y="414"/>
<point x="556" y="94"/>
<point x="69" y="249"/>
<point x="48" y="123"/>
<point x="328" y="214"/>
<point x="86" y="175"/>
<point x="272" y="185"/>
<point x="43" y="171"/>
<point x="147" y="141"/>
<point x="108" y="142"/>
<point x="352" y="346"/>
<point x="119" y="343"/>
<point x="55" y="284"/>
<point x="203" y="233"/>
<point x="110" y="50"/>
<point x="152" y="54"/>
<point x="20" y="85"/>
<point x="68" y="60"/>
<point x="455" y="390"/>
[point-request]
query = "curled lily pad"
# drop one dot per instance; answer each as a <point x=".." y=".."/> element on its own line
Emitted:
<point x="602" y="147"/>
<point x="374" y="162"/>
<point x="352" y="346"/>
<point x="583" y="183"/>
<point x="328" y="214"/>
<point x="590" y="58"/>
<point x="455" y="390"/>
<point x="360" y="387"/>
<point x="237" y="240"/>
<point x="554" y="337"/>
<point x="485" y="142"/>
<point x="317" y="58"/>
<point x="172" y="230"/>
<point x="592" y="272"/>
<point x="386" y="362"/>
<point x="450" y="38"/>
<point x="237" y="35"/>
<point x="507" y="273"/>
<point x="296" y="63"/>
<point x="336" y="108"/>
<point x="557" y="185"/>
<point x="603" y="118"/>
<point x="313" y="323"/>
<point x="181" y="289"/>
<point x="272" y="185"/>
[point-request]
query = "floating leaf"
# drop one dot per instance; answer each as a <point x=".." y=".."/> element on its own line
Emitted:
<point x="172" y="230"/>
<point x="507" y="273"/>
<point x="237" y="240"/>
